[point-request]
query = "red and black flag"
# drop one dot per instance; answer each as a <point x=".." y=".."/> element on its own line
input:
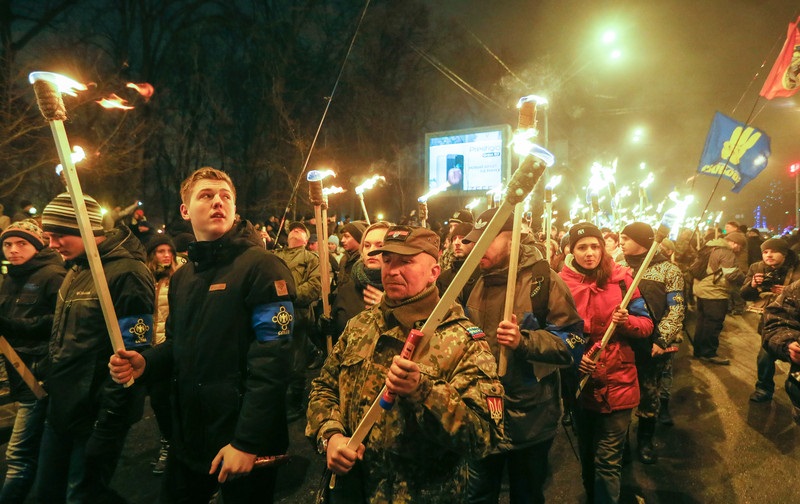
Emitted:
<point x="783" y="80"/>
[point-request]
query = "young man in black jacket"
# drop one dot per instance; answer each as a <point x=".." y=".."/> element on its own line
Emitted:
<point x="89" y="415"/>
<point x="227" y="352"/>
<point x="27" y="302"/>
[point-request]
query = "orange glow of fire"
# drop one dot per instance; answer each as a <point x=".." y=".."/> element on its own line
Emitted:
<point x="145" y="89"/>
<point x="114" y="102"/>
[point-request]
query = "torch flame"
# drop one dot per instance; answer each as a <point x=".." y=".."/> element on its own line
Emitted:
<point x="317" y="175"/>
<point x="64" y="84"/>
<point x="331" y="190"/>
<point x="114" y="102"/>
<point x="76" y="155"/>
<point x="647" y="181"/>
<point x="472" y="204"/>
<point x="369" y="183"/>
<point x="553" y="182"/>
<point x="145" y="89"/>
<point x="424" y="198"/>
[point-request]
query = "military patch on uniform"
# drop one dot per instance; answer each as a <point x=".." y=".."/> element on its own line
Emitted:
<point x="495" y="404"/>
<point x="476" y="332"/>
<point x="273" y="321"/>
<point x="397" y="235"/>
<point x="137" y="330"/>
<point x="280" y="288"/>
<point x="575" y="340"/>
<point x="217" y="287"/>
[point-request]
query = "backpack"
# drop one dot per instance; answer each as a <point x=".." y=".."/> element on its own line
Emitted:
<point x="698" y="268"/>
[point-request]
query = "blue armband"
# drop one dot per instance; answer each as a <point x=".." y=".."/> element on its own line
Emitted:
<point x="273" y="321"/>
<point x="674" y="298"/>
<point x="137" y="331"/>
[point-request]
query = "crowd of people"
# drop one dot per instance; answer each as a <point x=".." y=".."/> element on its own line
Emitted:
<point x="225" y="328"/>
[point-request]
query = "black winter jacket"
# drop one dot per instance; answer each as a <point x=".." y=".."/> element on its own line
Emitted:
<point x="228" y="384"/>
<point x="83" y="397"/>
<point x="27" y="301"/>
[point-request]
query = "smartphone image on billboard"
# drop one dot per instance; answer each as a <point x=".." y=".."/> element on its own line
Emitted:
<point x="455" y="171"/>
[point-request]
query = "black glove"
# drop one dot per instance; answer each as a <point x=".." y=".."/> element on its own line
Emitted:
<point x="326" y="326"/>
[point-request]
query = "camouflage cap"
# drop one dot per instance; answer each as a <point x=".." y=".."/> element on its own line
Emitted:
<point x="409" y="240"/>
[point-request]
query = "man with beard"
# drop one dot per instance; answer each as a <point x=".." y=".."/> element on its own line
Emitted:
<point x="540" y="342"/>
<point x="460" y="251"/>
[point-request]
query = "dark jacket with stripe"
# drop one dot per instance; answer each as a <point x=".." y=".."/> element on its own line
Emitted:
<point x="228" y="380"/>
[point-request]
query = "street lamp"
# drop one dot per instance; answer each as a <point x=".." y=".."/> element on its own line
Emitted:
<point x="794" y="169"/>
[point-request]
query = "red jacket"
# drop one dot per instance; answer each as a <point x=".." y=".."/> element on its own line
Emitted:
<point x="613" y="385"/>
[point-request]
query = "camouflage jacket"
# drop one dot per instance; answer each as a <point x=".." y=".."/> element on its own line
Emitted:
<point x="416" y="452"/>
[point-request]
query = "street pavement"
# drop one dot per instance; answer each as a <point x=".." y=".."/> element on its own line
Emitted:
<point x="722" y="448"/>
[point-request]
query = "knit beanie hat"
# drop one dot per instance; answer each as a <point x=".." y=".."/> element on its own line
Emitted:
<point x="59" y="216"/>
<point x="159" y="239"/>
<point x="736" y="237"/>
<point x="776" y="244"/>
<point x="583" y="230"/>
<point x="26" y="229"/>
<point x="640" y="232"/>
<point x="356" y="230"/>
<point x="333" y="239"/>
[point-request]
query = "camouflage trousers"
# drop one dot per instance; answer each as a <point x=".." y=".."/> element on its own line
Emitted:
<point x="650" y="370"/>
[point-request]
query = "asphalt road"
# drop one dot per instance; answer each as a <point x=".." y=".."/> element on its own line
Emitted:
<point x="722" y="449"/>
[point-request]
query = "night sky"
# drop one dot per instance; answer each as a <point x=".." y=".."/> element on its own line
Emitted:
<point x="681" y="61"/>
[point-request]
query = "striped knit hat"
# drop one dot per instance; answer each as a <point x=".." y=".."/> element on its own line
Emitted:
<point x="59" y="216"/>
<point x="26" y="229"/>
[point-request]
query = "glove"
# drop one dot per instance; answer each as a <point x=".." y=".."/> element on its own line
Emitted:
<point x="326" y="326"/>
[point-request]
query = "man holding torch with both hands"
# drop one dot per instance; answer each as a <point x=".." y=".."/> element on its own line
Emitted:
<point x="449" y="400"/>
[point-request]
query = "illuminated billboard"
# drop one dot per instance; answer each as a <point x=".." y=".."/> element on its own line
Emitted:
<point x="470" y="160"/>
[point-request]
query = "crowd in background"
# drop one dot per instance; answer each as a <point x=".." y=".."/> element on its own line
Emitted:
<point x="555" y="336"/>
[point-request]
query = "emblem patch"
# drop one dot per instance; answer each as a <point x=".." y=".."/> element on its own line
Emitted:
<point x="283" y="318"/>
<point x="398" y="235"/>
<point x="495" y="404"/>
<point x="480" y="224"/>
<point x="476" y="332"/>
<point x="139" y="331"/>
<point x="280" y="288"/>
<point x="217" y="287"/>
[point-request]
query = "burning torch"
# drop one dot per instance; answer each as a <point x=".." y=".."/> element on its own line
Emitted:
<point x="548" y="207"/>
<point x="48" y="88"/>
<point x="317" y="197"/>
<point x="366" y="185"/>
<point x="423" y="203"/>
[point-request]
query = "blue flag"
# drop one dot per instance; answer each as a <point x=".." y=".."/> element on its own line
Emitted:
<point x="735" y="150"/>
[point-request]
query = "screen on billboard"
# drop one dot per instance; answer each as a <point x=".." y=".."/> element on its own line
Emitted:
<point x="474" y="159"/>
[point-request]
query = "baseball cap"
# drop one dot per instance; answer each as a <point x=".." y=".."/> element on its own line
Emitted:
<point x="409" y="240"/>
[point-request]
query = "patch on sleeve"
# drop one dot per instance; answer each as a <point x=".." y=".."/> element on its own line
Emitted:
<point x="476" y="332"/>
<point x="280" y="288"/>
<point x="495" y="404"/>
<point x="273" y="321"/>
<point x="137" y="331"/>
<point x="674" y="298"/>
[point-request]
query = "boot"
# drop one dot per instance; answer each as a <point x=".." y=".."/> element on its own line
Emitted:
<point x="664" y="416"/>
<point x="644" y="441"/>
<point x="160" y="464"/>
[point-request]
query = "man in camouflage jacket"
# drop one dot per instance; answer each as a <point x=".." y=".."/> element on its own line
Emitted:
<point x="449" y="404"/>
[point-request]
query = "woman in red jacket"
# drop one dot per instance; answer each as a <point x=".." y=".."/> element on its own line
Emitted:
<point x="598" y="285"/>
